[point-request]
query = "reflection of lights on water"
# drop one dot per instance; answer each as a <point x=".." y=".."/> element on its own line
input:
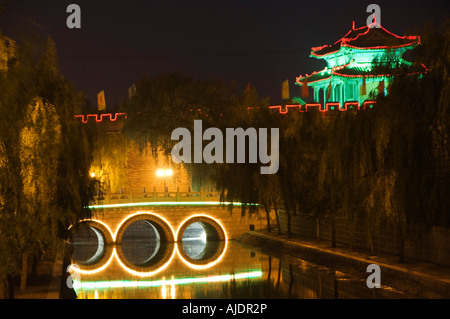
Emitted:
<point x="172" y="289"/>
<point x="149" y="273"/>
<point x="76" y="268"/>
<point x="215" y="262"/>
<point x="163" y="282"/>
<point x="163" y="289"/>
<point x="96" y="294"/>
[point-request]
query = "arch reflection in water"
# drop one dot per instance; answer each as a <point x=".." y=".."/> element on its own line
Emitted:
<point x="141" y="243"/>
<point x="144" y="243"/>
<point x="92" y="242"/>
<point x="203" y="241"/>
<point x="89" y="244"/>
<point x="197" y="244"/>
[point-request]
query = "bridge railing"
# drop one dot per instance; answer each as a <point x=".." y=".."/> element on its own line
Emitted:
<point x="176" y="196"/>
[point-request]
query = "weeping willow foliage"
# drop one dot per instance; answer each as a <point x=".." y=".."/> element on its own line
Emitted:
<point x="386" y="165"/>
<point x="111" y="154"/>
<point x="169" y="101"/>
<point x="44" y="156"/>
<point x="391" y="163"/>
<point x="40" y="142"/>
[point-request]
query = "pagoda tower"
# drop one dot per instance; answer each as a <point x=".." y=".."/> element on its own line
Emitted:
<point x="351" y="73"/>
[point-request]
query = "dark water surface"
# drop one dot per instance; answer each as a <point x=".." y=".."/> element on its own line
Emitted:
<point x="197" y="269"/>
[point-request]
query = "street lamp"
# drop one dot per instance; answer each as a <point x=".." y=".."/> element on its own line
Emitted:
<point x="163" y="173"/>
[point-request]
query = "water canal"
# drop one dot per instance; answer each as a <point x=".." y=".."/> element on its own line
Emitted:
<point x="144" y="267"/>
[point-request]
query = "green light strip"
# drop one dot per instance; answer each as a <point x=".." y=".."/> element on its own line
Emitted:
<point x="168" y="204"/>
<point x="158" y="283"/>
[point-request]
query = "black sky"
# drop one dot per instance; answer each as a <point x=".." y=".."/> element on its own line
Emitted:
<point x="260" y="42"/>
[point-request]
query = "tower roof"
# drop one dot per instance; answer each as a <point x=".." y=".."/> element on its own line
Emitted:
<point x="353" y="72"/>
<point x="373" y="36"/>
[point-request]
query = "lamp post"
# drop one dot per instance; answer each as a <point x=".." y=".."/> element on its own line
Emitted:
<point x="163" y="173"/>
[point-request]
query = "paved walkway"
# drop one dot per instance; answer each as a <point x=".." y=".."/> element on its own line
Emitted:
<point x="432" y="277"/>
<point x="47" y="283"/>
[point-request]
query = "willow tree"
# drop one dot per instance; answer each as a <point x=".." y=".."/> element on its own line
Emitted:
<point x="411" y="139"/>
<point x="45" y="157"/>
<point x="159" y="105"/>
<point x="40" y="140"/>
<point x="168" y="101"/>
<point x="238" y="181"/>
<point x="111" y="151"/>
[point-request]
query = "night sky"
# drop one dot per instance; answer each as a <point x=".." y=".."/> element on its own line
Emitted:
<point x="260" y="42"/>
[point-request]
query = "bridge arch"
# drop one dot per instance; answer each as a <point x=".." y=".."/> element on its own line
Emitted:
<point x="101" y="255"/>
<point x="163" y="227"/>
<point x="214" y="240"/>
<point x="162" y="243"/>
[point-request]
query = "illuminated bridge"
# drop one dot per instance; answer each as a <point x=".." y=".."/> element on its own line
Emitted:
<point x="194" y="226"/>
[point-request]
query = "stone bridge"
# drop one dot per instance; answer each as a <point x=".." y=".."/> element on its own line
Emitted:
<point x="171" y="217"/>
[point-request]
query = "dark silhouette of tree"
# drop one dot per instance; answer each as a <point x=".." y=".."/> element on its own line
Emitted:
<point x="45" y="185"/>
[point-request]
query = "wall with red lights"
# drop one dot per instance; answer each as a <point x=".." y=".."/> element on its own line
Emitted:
<point x="329" y="106"/>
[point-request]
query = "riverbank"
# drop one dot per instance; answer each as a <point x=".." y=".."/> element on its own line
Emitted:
<point x="45" y="284"/>
<point x="413" y="277"/>
<point x="49" y="282"/>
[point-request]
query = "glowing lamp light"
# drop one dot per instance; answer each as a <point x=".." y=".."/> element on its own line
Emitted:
<point x="164" y="172"/>
<point x="92" y="174"/>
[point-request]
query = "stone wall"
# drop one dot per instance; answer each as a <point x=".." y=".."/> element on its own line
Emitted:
<point x="141" y="173"/>
<point x="139" y="169"/>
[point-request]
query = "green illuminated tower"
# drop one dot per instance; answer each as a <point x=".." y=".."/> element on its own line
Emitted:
<point x="351" y="73"/>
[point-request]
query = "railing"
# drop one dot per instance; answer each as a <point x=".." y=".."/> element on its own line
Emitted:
<point x="177" y="196"/>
